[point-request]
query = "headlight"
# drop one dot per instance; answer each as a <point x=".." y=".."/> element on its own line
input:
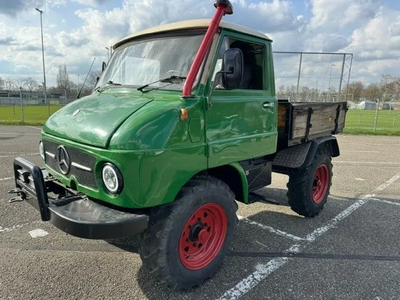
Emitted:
<point x="41" y="150"/>
<point x="112" y="178"/>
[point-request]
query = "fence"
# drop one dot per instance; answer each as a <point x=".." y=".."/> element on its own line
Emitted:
<point x="29" y="109"/>
<point x="313" y="76"/>
<point x="27" y="101"/>
<point x="378" y="121"/>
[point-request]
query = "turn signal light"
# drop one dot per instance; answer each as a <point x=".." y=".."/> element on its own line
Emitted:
<point x="184" y="114"/>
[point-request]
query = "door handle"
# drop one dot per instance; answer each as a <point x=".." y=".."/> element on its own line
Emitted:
<point x="268" y="105"/>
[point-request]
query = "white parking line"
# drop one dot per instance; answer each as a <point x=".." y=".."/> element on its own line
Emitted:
<point x="333" y="222"/>
<point x="367" y="163"/>
<point x="387" y="183"/>
<point x="27" y="154"/>
<point x="14" y="227"/>
<point x="6" y="178"/>
<point x="271" y="229"/>
<point x="362" y="151"/>
<point x="264" y="270"/>
<point x="19" y="134"/>
<point x="386" y="201"/>
<point x="37" y="128"/>
<point x="38" y="233"/>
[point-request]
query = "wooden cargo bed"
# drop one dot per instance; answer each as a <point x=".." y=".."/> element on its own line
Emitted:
<point x="299" y="122"/>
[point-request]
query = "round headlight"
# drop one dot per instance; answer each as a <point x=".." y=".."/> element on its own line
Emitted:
<point x="41" y="150"/>
<point x="112" y="178"/>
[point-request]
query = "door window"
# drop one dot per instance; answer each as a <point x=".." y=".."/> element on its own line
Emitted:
<point x="253" y="63"/>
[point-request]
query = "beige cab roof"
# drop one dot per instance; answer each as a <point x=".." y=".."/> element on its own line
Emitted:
<point x="192" y="24"/>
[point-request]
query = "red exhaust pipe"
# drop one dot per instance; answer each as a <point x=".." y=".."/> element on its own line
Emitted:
<point x="223" y="7"/>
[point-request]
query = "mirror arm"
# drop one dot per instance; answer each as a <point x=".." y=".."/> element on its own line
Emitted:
<point x="214" y="84"/>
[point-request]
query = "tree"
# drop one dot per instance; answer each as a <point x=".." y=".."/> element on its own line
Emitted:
<point x="1" y="83"/>
<point x="31" y="84"/>
<point x="355" y="89"/>
<point x="372" y="92"/>
<point x="10" y="85"/>
<point x="390" y="86"/>
<point x="280" y="93"/>
<point x="63" y="78"/>
<point x="92" y="79"/>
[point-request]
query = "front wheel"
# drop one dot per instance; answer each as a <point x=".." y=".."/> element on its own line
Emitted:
<point x="308" y="188"/>
<point x="187" y="240"/>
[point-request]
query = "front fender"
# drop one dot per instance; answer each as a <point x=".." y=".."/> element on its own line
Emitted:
<point x="234" y="176"/>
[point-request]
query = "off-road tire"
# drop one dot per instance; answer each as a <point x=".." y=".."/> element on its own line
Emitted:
<point x="300" y="186"/>
<point x="161" y="241"/>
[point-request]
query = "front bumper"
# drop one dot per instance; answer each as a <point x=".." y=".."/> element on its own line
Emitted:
<point x="70" y="211"/>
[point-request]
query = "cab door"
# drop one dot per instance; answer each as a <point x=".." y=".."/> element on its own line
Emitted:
<point x="242" y="123"/>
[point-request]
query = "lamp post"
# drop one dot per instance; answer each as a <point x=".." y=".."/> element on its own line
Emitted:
<point x="330" y="77"/>
<point x="108" y="53"/>
<point x="77" y="88"/>
<point x="44" y="67"/>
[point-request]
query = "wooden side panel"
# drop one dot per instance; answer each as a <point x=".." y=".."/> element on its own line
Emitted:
<point x="322" y="119"/>
<point x="342" y="118"/>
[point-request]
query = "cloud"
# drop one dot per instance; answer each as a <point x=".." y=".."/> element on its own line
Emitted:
<point x="26" y="48"/>
<point x="7" y="41"/>
<point x="91" y="2"/>
<point x="376" y="46"/>
<point x="275" y="16"/>
<point x="327" y="43"/>
<point x="14" y="7"/>
<point x="365" y="27"/>
<point x="72" y="40"/>
<point x="333" y="15"/>
<point x="379" y="38"/>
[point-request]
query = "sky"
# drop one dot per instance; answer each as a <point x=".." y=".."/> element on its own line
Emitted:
<point x="77" y="31"/>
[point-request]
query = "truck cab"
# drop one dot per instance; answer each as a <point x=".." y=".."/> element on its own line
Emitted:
<point x="144" y="134"/>
<point x="182" y="122"/>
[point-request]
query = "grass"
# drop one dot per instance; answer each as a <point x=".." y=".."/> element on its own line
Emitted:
<point x="362" y="122"/>
<point x="33" y="115"/>
<point x="357" y="121"/>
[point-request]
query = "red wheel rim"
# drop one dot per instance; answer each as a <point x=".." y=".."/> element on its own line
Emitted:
<point x="321" y="183"/>
<point x="203" y="236"/>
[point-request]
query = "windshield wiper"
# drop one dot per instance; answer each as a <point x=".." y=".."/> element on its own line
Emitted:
<point x="172" y="79"/>
<point x="108" y="83"/>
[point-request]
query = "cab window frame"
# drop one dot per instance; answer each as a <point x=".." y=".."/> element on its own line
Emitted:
<point x="235" y="36"/>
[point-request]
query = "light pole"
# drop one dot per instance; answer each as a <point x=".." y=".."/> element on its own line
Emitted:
<point x="330" y="77"/>
<point x="108" y="53"/>
<point x="44" y="67"/>
<point x="77" y="88"/>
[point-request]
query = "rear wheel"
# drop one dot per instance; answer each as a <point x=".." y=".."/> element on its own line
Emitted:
<point x="308" y="188"/>
<point x="187" y="240"/>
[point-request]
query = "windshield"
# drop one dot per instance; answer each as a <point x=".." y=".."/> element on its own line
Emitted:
<point x="147" y="61"/>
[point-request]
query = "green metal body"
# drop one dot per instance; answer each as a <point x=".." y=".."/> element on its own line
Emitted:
<point x="156" y="151"/>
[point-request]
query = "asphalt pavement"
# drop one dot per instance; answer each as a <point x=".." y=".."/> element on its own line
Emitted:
<point x="350" y="251"/>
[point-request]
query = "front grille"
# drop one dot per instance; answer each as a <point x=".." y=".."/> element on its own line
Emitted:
<point x="82" y="164"/>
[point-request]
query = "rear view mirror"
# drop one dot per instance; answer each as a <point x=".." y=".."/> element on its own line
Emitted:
<point x="232" y="68"/>
<point x="103" y="66"/>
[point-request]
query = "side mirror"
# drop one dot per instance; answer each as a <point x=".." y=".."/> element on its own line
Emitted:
<point x="232" y="68"/>
<point x="103" y="66"/>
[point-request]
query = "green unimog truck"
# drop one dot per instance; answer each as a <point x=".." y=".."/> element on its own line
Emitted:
<point x="183" y="122"/>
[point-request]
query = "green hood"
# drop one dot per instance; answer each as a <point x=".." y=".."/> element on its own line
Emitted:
<point x="94" y="119"/>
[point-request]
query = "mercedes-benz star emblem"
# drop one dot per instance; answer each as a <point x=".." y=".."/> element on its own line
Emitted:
<point x="63" y="160"/>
